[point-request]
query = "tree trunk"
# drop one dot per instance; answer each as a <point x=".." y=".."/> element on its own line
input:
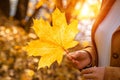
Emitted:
<point x="5" y="7"/>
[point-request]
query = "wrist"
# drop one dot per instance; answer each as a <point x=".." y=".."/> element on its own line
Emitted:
<point x="90" y="59"/>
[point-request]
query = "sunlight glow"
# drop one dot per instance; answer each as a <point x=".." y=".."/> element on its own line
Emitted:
<point x="89" y="9"/>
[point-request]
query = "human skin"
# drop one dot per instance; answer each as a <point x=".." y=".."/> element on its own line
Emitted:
<point x="79" y="59"/>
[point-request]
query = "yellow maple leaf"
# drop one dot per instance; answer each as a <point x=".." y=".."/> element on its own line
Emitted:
<point x="53" y="40"/>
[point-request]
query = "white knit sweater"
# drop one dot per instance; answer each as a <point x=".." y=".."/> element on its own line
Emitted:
<point x="104" y="34"/>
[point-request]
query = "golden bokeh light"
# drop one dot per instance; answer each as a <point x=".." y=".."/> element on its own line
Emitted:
<point x="87" y="10"/>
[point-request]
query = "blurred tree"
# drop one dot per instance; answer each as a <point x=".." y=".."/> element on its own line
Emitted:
<point x="69" y="7"/>
<point x="5" y="7"/>
<point x="21" y="9"/>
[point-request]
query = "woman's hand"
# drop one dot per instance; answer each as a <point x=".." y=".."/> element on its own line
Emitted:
<point x="93" y="73"/>
<point x="79" y="59"/>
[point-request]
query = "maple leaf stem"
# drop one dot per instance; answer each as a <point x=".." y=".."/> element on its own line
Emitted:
<point x="66" y="51"/>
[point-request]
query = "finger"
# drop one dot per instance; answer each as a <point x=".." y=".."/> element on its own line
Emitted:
<point x="88" y="70"/>
<point x="75" y="62"/>
<point x="88" y="76"/>
<point x="78" y="55"/>
<point x="69" y="57"/>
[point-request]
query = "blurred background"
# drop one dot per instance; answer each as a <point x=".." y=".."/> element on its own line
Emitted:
<point x="15" y="31"/>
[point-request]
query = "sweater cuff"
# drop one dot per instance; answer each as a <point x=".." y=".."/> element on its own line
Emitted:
<point x="112" y="73"/>
<point x="92" y="54"/>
